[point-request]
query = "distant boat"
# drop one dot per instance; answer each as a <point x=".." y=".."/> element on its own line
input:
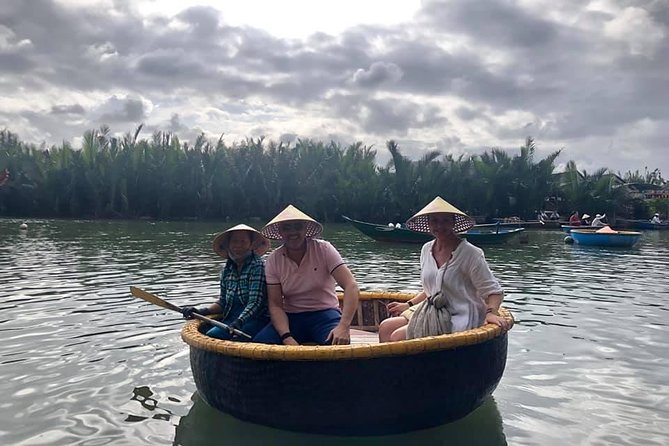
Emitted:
<point x="645" y="224"/>
<point x="641" y="224"/>
<point x="591" y="237"/>
<point x="568" y="228"/>
<point x="478" y="235"/>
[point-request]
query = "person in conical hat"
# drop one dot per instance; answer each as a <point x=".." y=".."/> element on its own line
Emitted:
<point x="288" y="215"/>
<point x="597" y="221"/>
<point x="243" y="298"/>
<point x="459" y="290"/>
<point x="302" y="275"/>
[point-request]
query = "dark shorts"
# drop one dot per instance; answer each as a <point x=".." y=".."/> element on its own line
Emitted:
<point x="307" y="327"/>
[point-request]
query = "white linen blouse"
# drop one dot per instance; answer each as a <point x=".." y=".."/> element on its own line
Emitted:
<point x="465" y="279"/>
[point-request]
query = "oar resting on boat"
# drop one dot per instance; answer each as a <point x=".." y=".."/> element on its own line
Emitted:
<point x="357" y="389"/>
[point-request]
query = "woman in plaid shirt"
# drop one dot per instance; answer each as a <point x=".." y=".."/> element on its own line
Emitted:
<point x="243" y="299"/>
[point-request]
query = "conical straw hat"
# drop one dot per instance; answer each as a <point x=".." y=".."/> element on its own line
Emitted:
<point x="259" y="244"/>
<point x="291" y="213"/>
<point x="439" y="206"/>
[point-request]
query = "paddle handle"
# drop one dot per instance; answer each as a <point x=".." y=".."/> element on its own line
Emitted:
<point x="218" y="324"/>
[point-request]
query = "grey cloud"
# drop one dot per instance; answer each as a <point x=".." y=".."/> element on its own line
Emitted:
<point x="468" y="113"/>
<point x="387" y="116"/>
<point x="15" y="63"/>
<point x="203" y="19"/>
<point x="500" y="22"/>
<point x="127" y="110"/>
<point x="74" y="109"/>
<point x="175" y="125"/>
<point x="378" y="73"/>
<point x="169" y="66"/>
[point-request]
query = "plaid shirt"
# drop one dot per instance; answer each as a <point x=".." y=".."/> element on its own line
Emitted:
<point x="244" y="291"/>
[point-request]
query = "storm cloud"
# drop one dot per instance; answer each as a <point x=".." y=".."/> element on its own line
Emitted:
<point x="585" y="76"/>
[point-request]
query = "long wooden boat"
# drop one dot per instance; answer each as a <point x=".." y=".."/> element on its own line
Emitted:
<point x="478" y="235"/>
<point x="357" y="389"/>
<point x="591" y="237"/>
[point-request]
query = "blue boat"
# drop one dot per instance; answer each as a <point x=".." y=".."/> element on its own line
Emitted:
<point x="591" y="237"/>
<point x="645" y="224"/>
<point x="568" y="228"/>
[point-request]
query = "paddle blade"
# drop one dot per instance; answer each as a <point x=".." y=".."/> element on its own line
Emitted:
<point x="140" y="293"/>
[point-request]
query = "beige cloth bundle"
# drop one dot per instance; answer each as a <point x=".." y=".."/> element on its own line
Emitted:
<point x="431" y="318"/>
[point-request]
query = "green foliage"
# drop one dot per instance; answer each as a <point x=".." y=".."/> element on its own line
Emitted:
<point x="161" y="177"/>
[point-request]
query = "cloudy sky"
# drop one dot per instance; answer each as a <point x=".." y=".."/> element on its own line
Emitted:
<point x="591" y="77"/>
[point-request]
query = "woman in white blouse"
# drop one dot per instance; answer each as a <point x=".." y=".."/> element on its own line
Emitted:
<point x="459" y="290"/>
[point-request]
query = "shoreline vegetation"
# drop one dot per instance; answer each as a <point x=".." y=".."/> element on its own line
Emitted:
<point x="162" y="178"/>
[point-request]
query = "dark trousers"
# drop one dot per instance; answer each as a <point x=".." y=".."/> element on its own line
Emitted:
<point x="307" y="327"/>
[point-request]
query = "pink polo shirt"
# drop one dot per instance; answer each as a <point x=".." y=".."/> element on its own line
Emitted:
<point x="309" y="286"/>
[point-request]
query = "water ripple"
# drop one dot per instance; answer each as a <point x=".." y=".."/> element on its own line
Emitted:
<point x="90" y="364"/>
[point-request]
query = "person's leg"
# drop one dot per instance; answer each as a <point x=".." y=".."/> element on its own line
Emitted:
<point x="389" y="325"/>
<point x="320" y="323"/>
<point x="251" y="327"/>
<point x="400" y="334"/>
<point x="268" y="335"/>
<point x="219" y="333"/>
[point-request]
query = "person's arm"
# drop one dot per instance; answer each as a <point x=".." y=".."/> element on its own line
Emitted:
<point x="257" y="291"/>
<point x="277" y="314"/>
<point x="397" y="308"/>
<point x="341" y="334"/>
<point x="489" y="290"/>
<point x="493" y="302"/>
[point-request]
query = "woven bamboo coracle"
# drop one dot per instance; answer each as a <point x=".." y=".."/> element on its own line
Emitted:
<point x="358" y="389"/>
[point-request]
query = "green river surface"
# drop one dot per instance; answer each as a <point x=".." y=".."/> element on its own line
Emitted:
<point x="82" y="362"/>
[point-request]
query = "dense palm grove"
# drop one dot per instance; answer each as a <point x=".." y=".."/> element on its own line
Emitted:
<point x="162" y="178"/>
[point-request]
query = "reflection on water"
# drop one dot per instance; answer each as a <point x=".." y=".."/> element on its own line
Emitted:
<point x="203" y="423"/>
<point x="84" y="362"/>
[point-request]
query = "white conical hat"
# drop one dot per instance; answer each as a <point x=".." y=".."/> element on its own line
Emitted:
<point x="291" y="213"/>
<point x="439" y="206"/>
<point x="259" y="244"/>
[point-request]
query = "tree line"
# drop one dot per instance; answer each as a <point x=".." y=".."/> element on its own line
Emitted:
<point x="164" y="178"/>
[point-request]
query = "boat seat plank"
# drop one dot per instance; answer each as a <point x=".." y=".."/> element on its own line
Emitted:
<point x="363" y="337"/>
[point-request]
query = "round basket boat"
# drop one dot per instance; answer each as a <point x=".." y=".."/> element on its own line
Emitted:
<point x="365" y="388"/>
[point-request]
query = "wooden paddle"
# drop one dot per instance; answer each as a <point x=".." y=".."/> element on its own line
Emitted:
<point x="145" y="295"/>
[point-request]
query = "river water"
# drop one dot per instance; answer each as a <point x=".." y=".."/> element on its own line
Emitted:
<point x="82" y="362"/>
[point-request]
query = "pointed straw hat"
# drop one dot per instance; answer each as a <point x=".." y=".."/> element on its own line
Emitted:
<point x="418" y="222"/>
<point x="259" y="244"/>
<point x="291" y="213"/>
<point x="584" y="216"/>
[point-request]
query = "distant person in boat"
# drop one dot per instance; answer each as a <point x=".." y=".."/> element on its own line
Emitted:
<point x="598" y="221"/>
<point x="656" y="219"/>
<point x="302" y="275"/>
<point x="575" y="219"/>
<point x="4" y="177"/>
<point x="243" y="299"/>
<point x="459" y="290"/>
<point x="585" y="220"/>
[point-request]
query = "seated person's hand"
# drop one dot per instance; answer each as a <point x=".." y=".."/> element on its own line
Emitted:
<point x="234" y="325"/>
<point x="396" y="308"/>
<point x="491" y="318"/>
<point x="188" y="312"/>
<point x="339" y="336"/>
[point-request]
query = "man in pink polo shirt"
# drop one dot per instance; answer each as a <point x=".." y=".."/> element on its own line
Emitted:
<point x="301" y="278"/>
